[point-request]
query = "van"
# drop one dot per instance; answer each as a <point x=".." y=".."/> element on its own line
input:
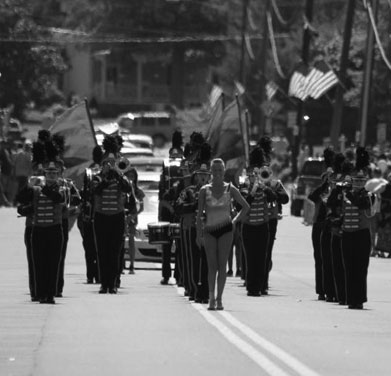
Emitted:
<point x="160" y="125"/>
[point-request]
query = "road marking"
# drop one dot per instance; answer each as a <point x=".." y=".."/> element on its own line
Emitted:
<point x="250" y="351"/>
<point x="286" y="358"/>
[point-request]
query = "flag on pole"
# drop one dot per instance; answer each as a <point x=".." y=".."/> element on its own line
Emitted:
<point x="323" y="79"/>
<point x="214" y="95"/>
<point x="76" y="127"/>
<point x="240" y="90"/>
<point x="271" y="90"/>
<point x="228" y="140"/>
<point x="297" y="83"/>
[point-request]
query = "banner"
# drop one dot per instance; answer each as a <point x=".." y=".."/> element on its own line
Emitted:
<point x="77" y="129"/>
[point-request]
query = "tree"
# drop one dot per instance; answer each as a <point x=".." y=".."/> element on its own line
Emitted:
<point x="28" y="70"/>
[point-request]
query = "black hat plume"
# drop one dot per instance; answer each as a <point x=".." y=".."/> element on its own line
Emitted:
<point x="362" y="158"/>
<point x="257" y="157"/>
<point x="328" y="155"/>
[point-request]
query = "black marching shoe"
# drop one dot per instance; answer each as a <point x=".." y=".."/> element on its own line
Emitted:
<point x="50" y="300"/>
<point x="113" y="290"/>
<point x="253" y="293"/>
<point x="230" y="273"/>
<point x="265" y="292"/>
<point x="90" y="281"/>
<point x="103" y="290"/>
<point x="59" y="295"/>
<point x="321" y="297"/>
<point x="164" y="281"/>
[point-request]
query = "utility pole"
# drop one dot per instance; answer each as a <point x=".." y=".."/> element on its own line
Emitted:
<point x="262" y="66"/>
<point x="338" y="105"/>
<point x="366" y="88"/>
<point x="300" y="108"/>
<point x="243" y="47"/>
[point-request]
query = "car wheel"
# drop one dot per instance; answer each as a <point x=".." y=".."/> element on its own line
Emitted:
<point x="159" y="140"/>
<point x="296" y="207"/>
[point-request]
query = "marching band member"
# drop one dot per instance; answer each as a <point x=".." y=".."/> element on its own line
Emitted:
<point x="169" y="188"/>
<point x="195" y="257"/>
<point x="26" y="209"/>
<point x="255" y="228"/>
<point x="325" y="236"/>
<point x="216" y="235"/>
<point x="85" y="219"/>
<point x="72" y="200"/>
<point x="341" y="168"/>
<point x="109" y="215"/>
<point x="134" y="207"/>
<point x="274" y="207"/>
<point x="356" y="236"/>
<point x="47" y="236"/>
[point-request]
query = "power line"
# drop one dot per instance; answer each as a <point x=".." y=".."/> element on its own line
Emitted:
<point x="80" y="37"/>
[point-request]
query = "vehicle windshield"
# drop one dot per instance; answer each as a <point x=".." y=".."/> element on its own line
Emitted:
<point x="314" y="168"/>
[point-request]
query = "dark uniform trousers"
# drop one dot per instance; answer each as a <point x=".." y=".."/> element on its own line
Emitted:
<point x="166" y="260"/>
<point x="109" y="230"/>
<point x="65" y="233"/>
<point x="90" y="253"/>
<point x="30" y="263"/>
<point x="188" y="284"/>
<point x="255" y="242"/>
<point x="356" y="248"/>
<point x="272" y="237"/>
<point x="327" y="265"/>
<point x="338" y="268"/>
<point x="178" y="273"/>
<point x="316" y="233"/>
<point x="46" y="246"/>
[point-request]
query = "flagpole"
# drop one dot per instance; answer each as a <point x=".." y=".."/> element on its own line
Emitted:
<point x="300" y="110"/>
<point x="90" y="119"/>
<point x="338" y="101"/>
<point x="242" y="49"/>
<point x="262" y="68"/>
<point x="367" y="77"/>
<point x="245" y="147"/>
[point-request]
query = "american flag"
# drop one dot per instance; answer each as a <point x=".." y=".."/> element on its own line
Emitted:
<point x="271" y="90"/>
<point x="297" y="83"/>
<point x="323" y="79"/>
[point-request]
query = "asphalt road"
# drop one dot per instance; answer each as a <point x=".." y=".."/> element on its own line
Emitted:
<point x="151" y="329"/>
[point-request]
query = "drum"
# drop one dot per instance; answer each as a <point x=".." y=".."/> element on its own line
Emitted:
<point x="175" y="230"/>
<point x="158" y="233"/>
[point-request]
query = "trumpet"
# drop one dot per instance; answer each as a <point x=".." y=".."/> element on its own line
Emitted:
<point x="265" y="174"/>
<point x="37" y="181"/>
<point x="122" y="165"/>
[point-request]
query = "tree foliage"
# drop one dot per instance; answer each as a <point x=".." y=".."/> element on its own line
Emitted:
<point x="28" y="70"/>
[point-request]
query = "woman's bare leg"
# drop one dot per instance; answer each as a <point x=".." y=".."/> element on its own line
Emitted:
<point x="223" y="250"/>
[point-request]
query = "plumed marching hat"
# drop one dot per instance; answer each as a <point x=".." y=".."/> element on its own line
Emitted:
<point x="112" y="146"/>
<point x="97" y="154"/>
<point x="265" y="143"/>
<point x="176" y="150"/>
<point x="202" y="162"/>
<point x="257" y="157"/>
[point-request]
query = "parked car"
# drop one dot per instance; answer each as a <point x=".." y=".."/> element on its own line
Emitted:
<point x="147" y="164"/>
<point x="133" y="152"/>
<point x="149" y="183"/>
<point x="160" y="125"/>
<point x="308" y="178"/>
<point x="139" y="140"/>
